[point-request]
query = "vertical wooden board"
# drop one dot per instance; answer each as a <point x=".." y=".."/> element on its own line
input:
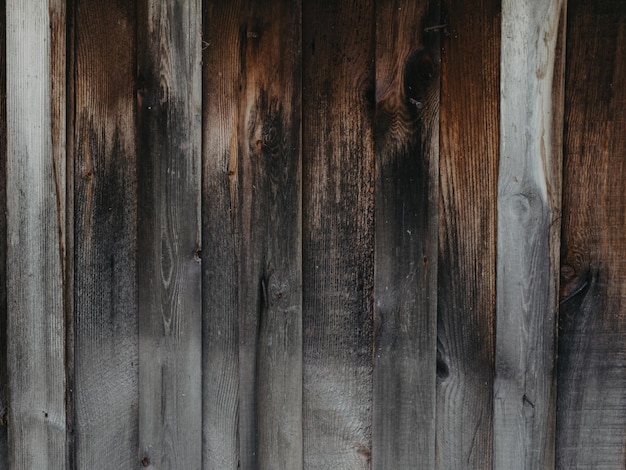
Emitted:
<point x="468" y="161"/>
<point x="169" y="109"/>
<point x="4" y="390"/>
<point x="338" y="166"/>
<point x="220" y="366"/>
<point x="407" y="137"/>
<point x="529" y="194"/>
<point x="591" y="409"/>
<point x="105" y="211"/>
<point x="36" y="246"/>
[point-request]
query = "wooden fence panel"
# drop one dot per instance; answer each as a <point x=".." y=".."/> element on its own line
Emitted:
<point x="36" y="234"/>
<point x="591" y="416"/>
<point x="470" y="96"/>
<point x="252" y="198"/>
<point x="169" y="106"/>
<point x="338" y="211"/>
<point x="529" y="198"/>
<point x="103" y="146"/>
<point x="4" y="386"/>
<point x="406" y="134"/>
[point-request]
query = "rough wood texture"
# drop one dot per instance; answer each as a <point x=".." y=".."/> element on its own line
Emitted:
<point x="529" y="193"/>
<point x="220" y="373"/>
<point x="252" y="189"/>
<point x="169" y="104"/>
<point x="407" y="137"/>
<point x="338" y="167"/>
<point x="468" y="162"/>
<point x="36" y="235"/>
<point x="105" y="227"/>
<point x="591" y="417"/>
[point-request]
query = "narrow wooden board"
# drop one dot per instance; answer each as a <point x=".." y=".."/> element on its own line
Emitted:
<point x="105" y="226"/>
<point x="338" y="233"/>
<point x="591" y="410"/>
<point x="169" y="106"/>
<point x="36" y="235"/>
<point x="529" y="196"/>
<point x="468" y="162"/>
<point x="220" y="366"/>
<point x="407" y="138"/>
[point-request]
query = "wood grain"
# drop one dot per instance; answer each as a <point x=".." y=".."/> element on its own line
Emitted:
<point x="529" y="205"/>
<point x="468" y="162"/>
<point x="4" y="386"/>
<point x="105" y="227"/>
<point x="36" y="235"/>
<point x="591" y="411"/>
<point x="407" y="138"/>
<point x="220" y="367"/>
<point x="168" y="264"/>
<point x="338" y="211"/>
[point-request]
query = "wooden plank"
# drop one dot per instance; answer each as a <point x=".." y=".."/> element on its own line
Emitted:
<point x="529" y="193"/>
<point x="252" y="194"/>
<point x="169" y="272"/>
<point x="36" y="234"/>
<point x="407" y="138"/>
<point x="591" y="410"/>
<point x="338" y="211"/>
<point x="469" y="109"/>
<point x="4" y="386"/>
<point x="220" y="366"/>
<point x="103" y="142"/>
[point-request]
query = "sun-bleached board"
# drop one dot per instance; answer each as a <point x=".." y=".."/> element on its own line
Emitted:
<point x="529" y="195"/>
<point x="35" y="54"/>
<point x="407" y="138"/>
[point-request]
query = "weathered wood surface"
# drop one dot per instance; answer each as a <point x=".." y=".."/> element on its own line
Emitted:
<point x="103" y="146"/>
<point x="469" y="111"/>
<point x="406" y="135"/>
<point x="338" y="212"/>
<point x="4" y="390"/>
<point x="591" y="410"/>
<point x="36" y="234"/>
<point x="253" y="235"/>
<point x="169" y="105"/>
<point x="529" y="205"/>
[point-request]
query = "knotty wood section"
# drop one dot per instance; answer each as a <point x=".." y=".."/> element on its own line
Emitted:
<point x="529" y="194"/>
<point x="36" y="234"/>
<point x="591" y="409"/>
<point x="338" y="212"/>
<point x="252" y="198"/>
<point x="468" y="162"/>
<point x="4" y="386"/>
<point x="407" y="137"/>
<point x="105" y="250"/>
<point x="169" y="105"/>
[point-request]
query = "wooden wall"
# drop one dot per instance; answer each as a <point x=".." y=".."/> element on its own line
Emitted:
<point x="286" y="234"/>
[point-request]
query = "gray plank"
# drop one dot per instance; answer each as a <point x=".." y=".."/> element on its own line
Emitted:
<point x="467" y="234"/>
<point x="103" y="149"/>
<point x="4" y="391"/>
<point x="338" y="232"/>
<point x="407" y="140"/>
<point x="529" y="193"/>
<point x="591" y="407"/>
<point x="36" y="236"/>
<point x="168" y="263"/>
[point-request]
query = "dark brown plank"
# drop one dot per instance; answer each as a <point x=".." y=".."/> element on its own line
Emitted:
<point x="105" y="227"/>
<point x="338" y="211"/>
<point x="407" y="140"/>
<point x="36" y="183"/>
<point x="220" y="382"/>
<point x="591" y="417"/>
<point x="168" y="266"/>
<point x="4" y="391"/>
<point x="529" y="209"/>
<point x="468" y="159"/>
